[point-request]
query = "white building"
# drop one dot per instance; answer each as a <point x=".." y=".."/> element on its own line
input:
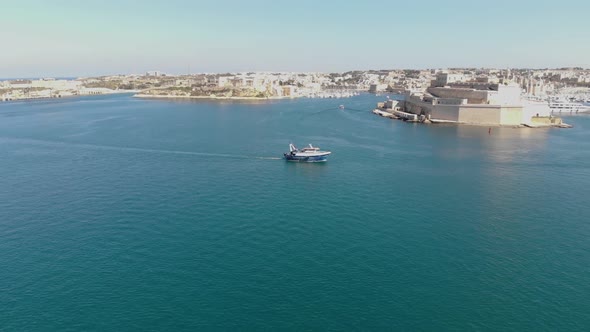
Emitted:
<point x="56" y="84"/>
<point x="155" y="73"/>
<point x="443" y="79"/>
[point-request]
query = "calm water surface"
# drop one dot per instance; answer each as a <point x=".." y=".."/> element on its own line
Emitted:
<point x="125" y="214"/>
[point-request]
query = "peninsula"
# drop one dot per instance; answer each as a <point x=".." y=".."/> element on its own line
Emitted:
<point x="500" y="98"/>
<point x="514" y="97"/>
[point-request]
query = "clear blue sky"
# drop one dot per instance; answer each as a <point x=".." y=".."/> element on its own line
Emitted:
<point x="77" y="38"/>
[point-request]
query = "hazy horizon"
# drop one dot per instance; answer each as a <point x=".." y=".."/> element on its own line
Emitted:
<point x="69" y="39"/>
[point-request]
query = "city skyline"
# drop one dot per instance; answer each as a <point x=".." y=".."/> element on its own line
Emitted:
<point x="77" y="39"/>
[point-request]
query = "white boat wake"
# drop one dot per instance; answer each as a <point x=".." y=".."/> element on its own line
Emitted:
<point x="131" y="149"/>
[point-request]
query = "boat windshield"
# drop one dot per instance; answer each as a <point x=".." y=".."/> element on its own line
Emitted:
<point x="310" y="148"/>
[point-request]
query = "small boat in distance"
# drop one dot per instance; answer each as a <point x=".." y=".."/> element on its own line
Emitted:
<point x="307" y="154"/>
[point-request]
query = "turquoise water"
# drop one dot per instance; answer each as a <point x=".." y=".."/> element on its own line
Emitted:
<point x="125" y="214"/>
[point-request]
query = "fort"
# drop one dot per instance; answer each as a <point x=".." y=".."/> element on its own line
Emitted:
<point x="480" y="101"/>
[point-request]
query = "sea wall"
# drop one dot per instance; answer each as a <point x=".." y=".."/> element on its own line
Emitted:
<point x="546" y="120"/>
<point x="445" y="112"/>
<point x="479" y="114"/>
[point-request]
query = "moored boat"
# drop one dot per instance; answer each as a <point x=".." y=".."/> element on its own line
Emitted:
<point x="307" y="154"/>
<point x="567" y="106"/>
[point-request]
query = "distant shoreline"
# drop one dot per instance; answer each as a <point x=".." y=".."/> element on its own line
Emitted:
<point x="139" y="95"/>
<point x="67" y="96"/>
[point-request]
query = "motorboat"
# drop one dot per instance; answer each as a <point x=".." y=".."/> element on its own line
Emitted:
<point x="307" y="154"/>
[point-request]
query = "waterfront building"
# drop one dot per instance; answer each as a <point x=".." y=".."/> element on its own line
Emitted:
<point x="94" y="91"/>
<point x="155" y="73"/>
<point x="20" y="84"/>
<point x="49" y="83"/>
<point x="288" y="91"/>
<point x="472" y="102"/>
<point x="443" y="79"/>
<point x="224" y="81"/>
<point x="199" y="80"/>
<point x="183" y="82"/>
<point x="374" y="88"/>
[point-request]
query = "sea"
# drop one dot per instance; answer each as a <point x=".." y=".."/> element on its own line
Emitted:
<point x="119" y="213"/>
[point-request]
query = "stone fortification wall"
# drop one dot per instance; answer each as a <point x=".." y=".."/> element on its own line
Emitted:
<point x="472" y="96"/>
<point x="492" y="115"/>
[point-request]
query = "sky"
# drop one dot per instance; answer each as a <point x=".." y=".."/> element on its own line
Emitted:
<point x="59" y="38"/>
